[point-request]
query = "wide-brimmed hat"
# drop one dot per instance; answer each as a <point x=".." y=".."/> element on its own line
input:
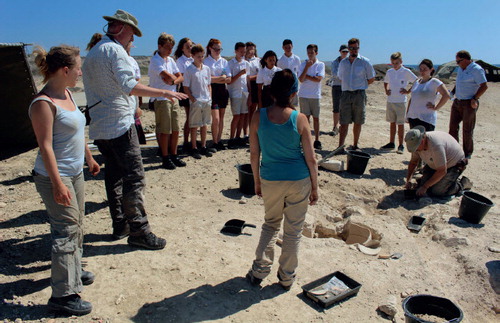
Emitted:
<point x="343" y="48"/>
<point x="125" y="17"/>
<point x="413" y="138"/>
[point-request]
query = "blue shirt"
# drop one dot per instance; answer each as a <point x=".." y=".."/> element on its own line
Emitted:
<point x="468" y="81"/>
<point x="335" y="81"/>
<point x="109" y="77"/>
<point x="355" y="76"/>
<point x="280" y="144"/>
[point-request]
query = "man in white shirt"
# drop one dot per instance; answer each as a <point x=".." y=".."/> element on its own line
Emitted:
<point x="289" y="60"/>
<point x="395" y="82"/>
<point x="311" y="72"/>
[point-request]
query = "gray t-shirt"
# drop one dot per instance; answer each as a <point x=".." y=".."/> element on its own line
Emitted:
<point x="442" y="150"/>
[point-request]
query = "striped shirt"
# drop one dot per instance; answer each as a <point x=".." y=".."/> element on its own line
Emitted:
<point x="109" y="77"/>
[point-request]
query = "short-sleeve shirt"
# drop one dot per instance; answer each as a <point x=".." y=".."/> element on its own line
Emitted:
<point x="310" y="89"/>
<point x="468" y="81"/>
<point x="217" y="67"/>
<point x="238" y="87"/>
<point x="335" y="81"/>
<point x="442" y="150"/>
<point x="265" y="75"/>
<point x="158" y="65"/>
<point x="183" y="62"/>
<point x="254" y="66"/>
<point x="292" y="63"/>
<point x="421" y="94"/>
<point x="108" y="78"/>
<point x="198" y="81"/>
<point x="355" y="76"/>
<point x="397" y="79"/>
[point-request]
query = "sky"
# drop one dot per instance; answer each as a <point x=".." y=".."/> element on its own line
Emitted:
<point x="434" y="29"/>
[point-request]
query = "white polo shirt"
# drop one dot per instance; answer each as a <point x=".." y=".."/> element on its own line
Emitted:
<point x="310" y="89"/>
<point x="217" y="67"/>
<point x="183" y="62"/>
<point x="198" y="81"/>
<point x="397" y="79"/>
<point x="254" y="63"/>
<point x="265" y="75"/>
<point x="292" y="63"/>
<point x="238" y="87"/>
<point x="157" y="65"/>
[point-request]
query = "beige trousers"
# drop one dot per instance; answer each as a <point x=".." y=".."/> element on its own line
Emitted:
<point x="288" y="200"/>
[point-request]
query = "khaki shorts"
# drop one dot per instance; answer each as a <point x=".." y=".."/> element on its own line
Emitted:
<point x="167" y="114"/>
<point x="200" y="114"/>
<point x="239" y="105"/>
<point x="396" y="112"/>
<point x="352" y="107"/>
<point x="309" y="107"/>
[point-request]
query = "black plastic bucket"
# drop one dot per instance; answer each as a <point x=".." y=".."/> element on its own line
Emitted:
<point x="245" y="177"/>
<point x="431" y="305"/>
<point x="357" y="161"/>
<point x="474" y="207"/>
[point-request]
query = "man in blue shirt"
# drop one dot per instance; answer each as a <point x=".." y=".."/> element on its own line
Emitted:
<point x="356" y="73"/>
<point x="109" y="84"/>
<point x="470" y="85"/>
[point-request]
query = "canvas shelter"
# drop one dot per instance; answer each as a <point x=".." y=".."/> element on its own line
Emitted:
<point x="17" y="89"/>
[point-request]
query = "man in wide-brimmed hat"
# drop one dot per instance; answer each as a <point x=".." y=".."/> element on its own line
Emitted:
<point x="444" y="162"/>
<point x="109" y="85"/>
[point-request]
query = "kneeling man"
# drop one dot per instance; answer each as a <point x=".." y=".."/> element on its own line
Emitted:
<point x="444" y="162"/>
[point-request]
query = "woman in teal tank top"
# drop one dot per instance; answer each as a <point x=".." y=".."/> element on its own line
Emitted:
<point x="286" y="177"/>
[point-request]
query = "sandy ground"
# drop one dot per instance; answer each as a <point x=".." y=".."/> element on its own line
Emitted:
<point x="199" y="276"/>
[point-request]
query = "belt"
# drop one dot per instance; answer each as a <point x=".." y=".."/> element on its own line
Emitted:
<point x="459" y="100"/>
<point x="355" y="91"/>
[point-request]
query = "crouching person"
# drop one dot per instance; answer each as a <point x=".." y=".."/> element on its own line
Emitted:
<point x="444" y="163"/>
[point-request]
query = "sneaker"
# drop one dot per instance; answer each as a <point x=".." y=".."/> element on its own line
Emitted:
<point x="389" y="146"/>
<point x="120" y="231"/>
<point x="252" y="280"/>
<point x="204" y="151"/>
<point x="71" y="304"/>
<point x="212" y="150"/>
<point x="246" y="140"/>
<point x="401" y="149"/>
<point x="334" y="132"/>
<point x="231" y="144"/>
<point x="148" y="241"/>
<point x="241" y="142"/>
<point x="220" y="146"/>
<point x="466" y="183"/>
<point x="195" y="153"/>
<point x="317" y="144"/>
<point x="87" y="278"/>
<point x="177" y="162"/>
<point x="167" y="163"/>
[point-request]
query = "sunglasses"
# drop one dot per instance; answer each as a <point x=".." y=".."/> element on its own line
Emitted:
<point x="217" y="49"/>
<point x="459" y="60"/>
<point x="353" y="48"/>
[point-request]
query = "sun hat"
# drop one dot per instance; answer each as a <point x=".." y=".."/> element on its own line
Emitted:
<point x="343" y="48"/>
<point x="127" y="18"/>
<point x="414" y="137"/>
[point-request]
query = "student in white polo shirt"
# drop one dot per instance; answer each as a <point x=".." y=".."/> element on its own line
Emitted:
<point x="396" y="80"/>
<point x="164" y="74"/>
<point x="311" y="72"/>
<point x="291" y="61"/>
<point x="265" y="76"/>
<point x="183" y="59"/>
<point x="253" y="95"/>
<point x="238" y="93"/>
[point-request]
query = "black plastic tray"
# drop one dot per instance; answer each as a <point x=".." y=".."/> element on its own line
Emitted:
<point x="328" y="299"/>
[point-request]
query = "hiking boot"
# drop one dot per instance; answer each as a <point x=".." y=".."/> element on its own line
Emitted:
<point x="252" y="280"/>
<point x="285" y="287"/>
<point x="317" y="144"/>
<point x="148" y="241"/>
<point x="177" y="162"/>
<point x="167" y="163"/>
<point x="231" y="144"/>
<point x="389" y="146"/>
<point x="204" y="151"/>
<point x="120" y="231"/>
<point x="71" y="304"/>
<point x="401" y="149"/>
<point x="195" y="153"/>
<point x="466" y="183"/>
<point x="87" y="278"/>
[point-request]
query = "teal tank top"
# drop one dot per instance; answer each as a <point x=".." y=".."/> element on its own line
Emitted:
<point x="281" y="149"/>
